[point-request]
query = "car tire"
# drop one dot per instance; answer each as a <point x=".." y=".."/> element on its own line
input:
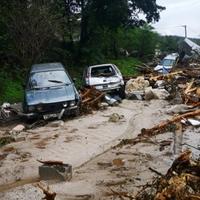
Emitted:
<point x="76" y="112"/>
<point x="122" y="94"/>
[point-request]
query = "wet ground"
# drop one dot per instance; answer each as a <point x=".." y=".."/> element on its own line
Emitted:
<point x="116" y="170"/>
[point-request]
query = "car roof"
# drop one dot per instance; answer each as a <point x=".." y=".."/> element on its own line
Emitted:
<point x="172" y="56"/>
<point x="101" y="65"/>
<point x="46" y="67"/>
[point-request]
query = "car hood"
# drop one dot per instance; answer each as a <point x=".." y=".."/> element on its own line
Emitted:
<point x="50" y="95"/>
<point x="104" y="80"/>
<point x="160" y="67"/>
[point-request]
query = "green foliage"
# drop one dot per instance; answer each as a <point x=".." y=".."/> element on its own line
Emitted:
<point x="139" y="42"/>
<point x="169" y="44"/>
<point x="127" y="66"/>
<point x="11" y="89"/>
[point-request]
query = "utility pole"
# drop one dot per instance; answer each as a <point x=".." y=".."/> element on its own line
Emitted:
<point x="185" y="27"/>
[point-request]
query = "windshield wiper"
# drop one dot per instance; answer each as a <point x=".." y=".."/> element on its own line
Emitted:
<point x="55" y="81"/>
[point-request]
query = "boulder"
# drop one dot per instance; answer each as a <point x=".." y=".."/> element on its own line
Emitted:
<point x="161" y="94"/>
<point x="17" y="129"/>
<point x="136" y="84"/>
<point x="148" y="94"/>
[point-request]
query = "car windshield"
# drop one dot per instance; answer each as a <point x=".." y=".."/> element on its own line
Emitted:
<point x="167" y="62"/>
<point x="102" y="71"/>
<point x="48" y="79"/>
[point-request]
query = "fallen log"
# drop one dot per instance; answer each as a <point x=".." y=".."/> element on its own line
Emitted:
<point x="164" y="125"/>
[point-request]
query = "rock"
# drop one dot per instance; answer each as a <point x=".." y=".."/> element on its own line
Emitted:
<point x="160" y="84"/>
<point x="61" y="172"/>
<point x="115" y="117"/>
<point x="17" y="129"/>
<point x="136" y="95"/>
<point x="103" y="106"/>
<point x="55" y="124"/>
<point x="148" y="94"/>
<point x="161" y="94"/>
<point x="136" y="84"/>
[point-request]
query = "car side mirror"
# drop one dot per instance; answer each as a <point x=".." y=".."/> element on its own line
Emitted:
<point x="74" y="80"/>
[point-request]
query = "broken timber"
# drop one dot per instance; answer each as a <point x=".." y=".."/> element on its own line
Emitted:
<point x="91" y="98"/>
<point x="163" y="125"/>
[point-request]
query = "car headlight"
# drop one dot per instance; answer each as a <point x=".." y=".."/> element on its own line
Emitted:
<point x="72" y="103"/>
<point x="65" y="105"/>
<point x="31" y="108"/>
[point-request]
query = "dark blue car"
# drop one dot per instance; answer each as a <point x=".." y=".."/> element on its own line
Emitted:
<point x="50" y="92"/>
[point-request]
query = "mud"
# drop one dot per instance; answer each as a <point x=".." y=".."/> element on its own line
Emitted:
<point x="87" y="143"/>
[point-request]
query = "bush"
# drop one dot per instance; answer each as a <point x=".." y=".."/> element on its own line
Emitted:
<point x="11" y="90"/>
<point x="127" y="66"/>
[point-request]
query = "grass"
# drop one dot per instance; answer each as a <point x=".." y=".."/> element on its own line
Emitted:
<point x="11" y="90"/>
<point x="127" y="66"/>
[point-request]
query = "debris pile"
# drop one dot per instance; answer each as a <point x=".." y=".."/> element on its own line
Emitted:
<point x="183" y="84"/>
<point x="7" y="112"/>
<point x="182" y="182"/>
<point x="91" y="99"/>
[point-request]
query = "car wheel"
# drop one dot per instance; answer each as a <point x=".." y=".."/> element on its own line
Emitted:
<point x="122" y="94"/>
<point x="75" y="113"/>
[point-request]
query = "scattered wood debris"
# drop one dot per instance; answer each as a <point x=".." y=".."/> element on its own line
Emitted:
<point x="169" y="125"/>
<point x="182" y="181"/>
<point x="91" y="99"/>
<point x="48" y="194"/>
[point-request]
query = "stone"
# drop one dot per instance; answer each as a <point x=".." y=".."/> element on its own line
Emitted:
<point x="62" y="172"/>
<point x="17" y="129"/>
<point x="148" y="94"/>
<point x="161" y="94"/>
<point x="136" y="84"/>
<point x="115" y="117"/>
<point x="160" y="83"/>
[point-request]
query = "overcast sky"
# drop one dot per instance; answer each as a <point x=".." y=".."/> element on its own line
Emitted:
<point x="178" y="13"/>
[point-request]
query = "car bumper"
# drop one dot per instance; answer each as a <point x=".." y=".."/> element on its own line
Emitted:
<point x="107" y="88"/>
<point x="50" y="114"/>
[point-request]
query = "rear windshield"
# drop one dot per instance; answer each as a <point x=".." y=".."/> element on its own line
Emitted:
<point x="102" y="71"/>
<point x="48" y="79"/>
<point x="167" y="62"/>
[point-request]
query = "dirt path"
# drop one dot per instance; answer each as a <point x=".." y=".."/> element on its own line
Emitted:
<point x="86" y="140"/>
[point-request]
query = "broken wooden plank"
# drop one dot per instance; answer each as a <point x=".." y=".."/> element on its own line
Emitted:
<point x="51" y="162"/>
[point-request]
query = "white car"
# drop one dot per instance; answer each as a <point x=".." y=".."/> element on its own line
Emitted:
<point x="105" y="77"/>
<point x="166" y="65"/>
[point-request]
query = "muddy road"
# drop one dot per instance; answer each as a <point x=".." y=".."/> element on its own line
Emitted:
<point x="99" y="171"/>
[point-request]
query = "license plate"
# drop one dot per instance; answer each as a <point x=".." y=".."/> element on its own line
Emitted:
<point x="50" y="116"/>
